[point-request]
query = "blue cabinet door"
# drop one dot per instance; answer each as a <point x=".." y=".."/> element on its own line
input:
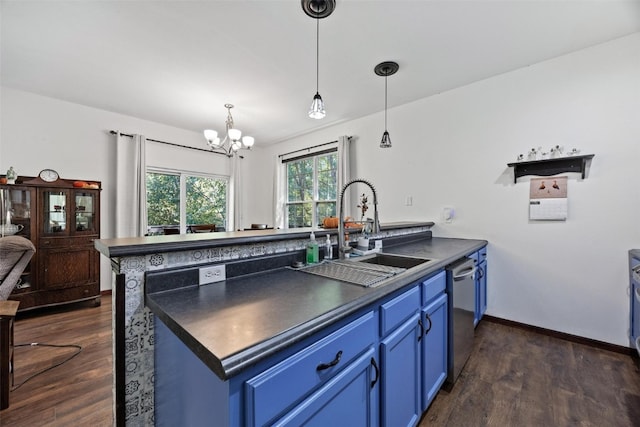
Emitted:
<point x="348" y="399"/>
<point x="400" y="369"/>
<point x="434" y="349"/>
<point x="635" y="315"/>
<point x="481" y="292"/>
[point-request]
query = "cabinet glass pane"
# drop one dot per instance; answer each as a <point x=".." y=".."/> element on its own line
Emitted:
<point x="15" y="212"/>
<point x="54" y="211"/>
<point x="85" y="211"/>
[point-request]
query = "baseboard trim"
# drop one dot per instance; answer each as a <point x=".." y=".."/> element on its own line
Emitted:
<point x="105" y="292"/>
<point x="562" y="335"/>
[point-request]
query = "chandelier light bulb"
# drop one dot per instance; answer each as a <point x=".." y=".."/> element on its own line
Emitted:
<point x="248" y="141"/>
<point x="235" y="134"/>
<point x="211" y="135"/>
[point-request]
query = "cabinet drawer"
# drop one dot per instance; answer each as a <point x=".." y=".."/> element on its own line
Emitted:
<point x="59" y="242"/>
<point x="433" y="286"/>
<point x="399" y="309"/>
<point x="268" y="394"/>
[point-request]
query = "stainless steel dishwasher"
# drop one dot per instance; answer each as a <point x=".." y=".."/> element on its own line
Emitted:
<point x="461" y="295"/>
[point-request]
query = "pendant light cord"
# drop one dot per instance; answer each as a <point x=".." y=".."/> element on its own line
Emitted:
<point x="385" y="103"/>
<point x="317" y="55"/>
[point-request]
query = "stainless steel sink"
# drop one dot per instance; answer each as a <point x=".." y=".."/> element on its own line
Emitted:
<point x="398" y="261"/>
<point x="367" y="271"/>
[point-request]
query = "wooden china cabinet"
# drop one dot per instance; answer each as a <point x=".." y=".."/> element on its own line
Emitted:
<point x="62" y="219"/>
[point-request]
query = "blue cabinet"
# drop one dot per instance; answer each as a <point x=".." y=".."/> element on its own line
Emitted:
<point x="635" y="316"/>
<point x="434" y="349"/>
<point x="269" y="394"/>
<point x="434" y="341"/>
<point x="400" y="366"/>
<point x="400" y="360"/>
<point x="481" y="285"/>
<point x="634" y="307"/>
<point x="382" y="366"/>
<point x="348" y="399"/>
<point x="413" y="351"/>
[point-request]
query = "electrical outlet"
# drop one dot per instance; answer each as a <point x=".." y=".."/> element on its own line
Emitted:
<point x="212" y="274"/>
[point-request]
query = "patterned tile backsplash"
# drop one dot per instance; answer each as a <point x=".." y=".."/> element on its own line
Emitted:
<point x="139" y="348"/>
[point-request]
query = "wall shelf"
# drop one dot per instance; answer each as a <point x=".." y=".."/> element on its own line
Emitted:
<point x="551" y="166"/>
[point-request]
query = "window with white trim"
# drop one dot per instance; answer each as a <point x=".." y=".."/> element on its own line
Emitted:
<point x="311" y="189"/>
<point x="181" y="199"/>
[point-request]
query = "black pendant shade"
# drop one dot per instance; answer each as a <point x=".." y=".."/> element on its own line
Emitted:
<point x="386" y="69"/>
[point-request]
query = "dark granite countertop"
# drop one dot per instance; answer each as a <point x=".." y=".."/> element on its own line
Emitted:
<point x="130" y="246"/>
<point x="231" y="325"/>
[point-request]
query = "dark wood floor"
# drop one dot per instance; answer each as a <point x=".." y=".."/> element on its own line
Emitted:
<point x="77" y="393"/>
<point x="514" y="377"/>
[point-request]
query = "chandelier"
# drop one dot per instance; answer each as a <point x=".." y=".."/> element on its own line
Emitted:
<point x="231" y="142"/>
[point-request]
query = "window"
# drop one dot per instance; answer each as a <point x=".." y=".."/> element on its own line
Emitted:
<point x="311" y="189"/>
<point x="179" y="199"/>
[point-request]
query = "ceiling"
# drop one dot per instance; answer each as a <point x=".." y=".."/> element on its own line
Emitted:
<point x="179" y="62"/>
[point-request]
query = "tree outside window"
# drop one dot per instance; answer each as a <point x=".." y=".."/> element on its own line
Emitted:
<point x="311" y="189"/>
<point x="203" y="199"/>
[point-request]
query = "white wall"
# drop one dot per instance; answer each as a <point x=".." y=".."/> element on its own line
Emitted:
<point x="39" y="132"/>
<point x="452" y="150"/>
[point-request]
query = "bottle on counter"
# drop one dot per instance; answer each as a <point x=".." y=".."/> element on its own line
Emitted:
<point x="313" y="253"/>
<point x="328" y="249"/>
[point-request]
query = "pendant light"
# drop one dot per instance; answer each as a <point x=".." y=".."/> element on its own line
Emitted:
<point x="318" y="9"/>
<point x="386" y="69"/>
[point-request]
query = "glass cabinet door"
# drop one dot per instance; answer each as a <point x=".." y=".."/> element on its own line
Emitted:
<point x="54" y="212"/>
<point x="15" y="211"/>
<point x="85" y="211"/>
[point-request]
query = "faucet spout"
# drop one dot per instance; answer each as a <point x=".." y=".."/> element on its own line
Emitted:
<point x="376" y="222"/>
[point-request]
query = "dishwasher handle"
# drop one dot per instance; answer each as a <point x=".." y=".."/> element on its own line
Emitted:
<point x="463" y="273"/>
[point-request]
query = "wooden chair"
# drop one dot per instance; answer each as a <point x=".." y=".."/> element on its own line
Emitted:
<point x="203" y="228"/>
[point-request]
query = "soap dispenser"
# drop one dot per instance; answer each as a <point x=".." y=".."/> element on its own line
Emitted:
<point x="313" y="256"/>
<point x="328" y="249"/>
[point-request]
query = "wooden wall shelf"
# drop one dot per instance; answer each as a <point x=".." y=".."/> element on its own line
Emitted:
<point x="550" y="167"/>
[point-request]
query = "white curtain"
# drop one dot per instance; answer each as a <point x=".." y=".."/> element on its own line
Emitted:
<point x="131" y="186"/>
<point x="279" y="193"/>
<point x="344" y="171"/>
<point x="234" y="218"/>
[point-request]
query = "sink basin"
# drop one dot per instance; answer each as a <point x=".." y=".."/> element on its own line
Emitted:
<point x="389" y="260"/>
<point x="367" y="271"/>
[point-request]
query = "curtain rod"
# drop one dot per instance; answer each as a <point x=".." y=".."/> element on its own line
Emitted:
<point x="309" y="148"/>
<point x="114" y="132"/>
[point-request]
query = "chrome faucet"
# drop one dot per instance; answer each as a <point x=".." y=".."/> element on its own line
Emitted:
<point x="342" y="247"/>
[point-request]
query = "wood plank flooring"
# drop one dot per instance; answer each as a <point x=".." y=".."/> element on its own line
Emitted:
<point x="514" y="377"/>
<point x="78" y="393"/>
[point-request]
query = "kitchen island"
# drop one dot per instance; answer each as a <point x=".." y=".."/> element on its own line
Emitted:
<point x="262" y="314"/>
